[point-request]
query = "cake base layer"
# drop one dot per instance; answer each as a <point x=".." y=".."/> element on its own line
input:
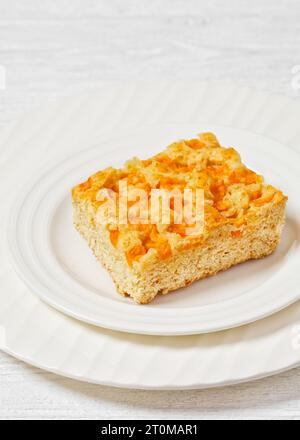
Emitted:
<point x="219" y="251"/>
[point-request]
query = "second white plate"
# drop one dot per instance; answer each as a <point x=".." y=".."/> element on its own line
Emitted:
<point x="57" y="265"/>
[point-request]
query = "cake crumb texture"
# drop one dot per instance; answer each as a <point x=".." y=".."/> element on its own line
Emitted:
<point x="243" y="218"/>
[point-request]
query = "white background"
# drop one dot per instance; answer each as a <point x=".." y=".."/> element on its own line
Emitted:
<point x="51" y="48"/>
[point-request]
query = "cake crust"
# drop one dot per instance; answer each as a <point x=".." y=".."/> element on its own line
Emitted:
<point x="243" y="219"/>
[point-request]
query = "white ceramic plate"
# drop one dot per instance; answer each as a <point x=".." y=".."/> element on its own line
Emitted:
<point x="36" y="333"/>
<point x="56" y="264"/>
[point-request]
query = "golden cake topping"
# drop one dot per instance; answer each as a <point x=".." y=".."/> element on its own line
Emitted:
<point x="231" y="193"/>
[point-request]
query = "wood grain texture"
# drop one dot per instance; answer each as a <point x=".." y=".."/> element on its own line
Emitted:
<point x="55" y="48"/>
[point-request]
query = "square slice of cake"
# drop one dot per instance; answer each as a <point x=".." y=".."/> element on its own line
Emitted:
<point x="242" y="217"/>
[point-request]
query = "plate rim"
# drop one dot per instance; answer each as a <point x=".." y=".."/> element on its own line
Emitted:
<point x="136" y="386"/>
<point x="22" y="268"/>
<point x="264" y="368"/>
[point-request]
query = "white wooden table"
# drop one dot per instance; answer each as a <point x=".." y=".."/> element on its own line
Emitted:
<point x="49" y="49"/>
